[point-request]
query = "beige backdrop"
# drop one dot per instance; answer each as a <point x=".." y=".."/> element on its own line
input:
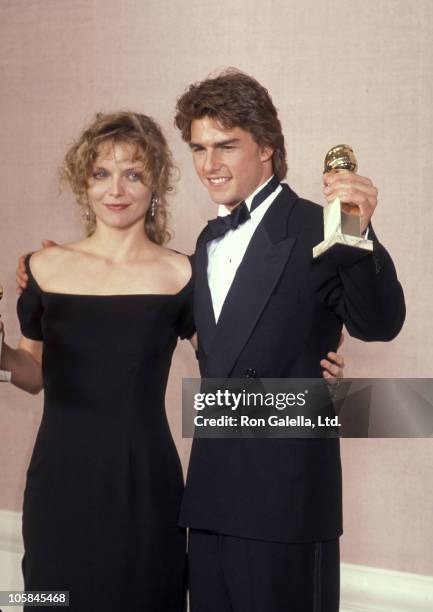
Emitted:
<point x="357" y="72"/>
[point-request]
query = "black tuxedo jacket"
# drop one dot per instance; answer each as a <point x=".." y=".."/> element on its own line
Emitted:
<point x="282" y="315"/>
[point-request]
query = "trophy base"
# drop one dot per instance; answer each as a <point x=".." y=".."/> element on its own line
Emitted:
<point x="343" y="248"/>
<point x="5" y="376"/>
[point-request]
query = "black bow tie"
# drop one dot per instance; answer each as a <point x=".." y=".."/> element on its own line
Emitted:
<point x="221" y="225"/>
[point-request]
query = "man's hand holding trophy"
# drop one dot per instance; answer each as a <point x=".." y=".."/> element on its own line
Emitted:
<point x="352" y="200"/>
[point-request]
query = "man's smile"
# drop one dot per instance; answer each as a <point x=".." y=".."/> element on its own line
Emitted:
<point x="221" y="180"/>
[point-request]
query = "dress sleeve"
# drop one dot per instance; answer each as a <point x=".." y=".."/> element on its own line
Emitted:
<point x="185" y="324"/>
<point x="30" y="308"/>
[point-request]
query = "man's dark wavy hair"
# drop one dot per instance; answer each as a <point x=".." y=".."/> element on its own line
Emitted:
<point x="235" y="99"/>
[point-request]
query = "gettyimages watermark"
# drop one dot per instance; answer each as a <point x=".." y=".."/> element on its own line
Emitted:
<point x="307" y="408"/>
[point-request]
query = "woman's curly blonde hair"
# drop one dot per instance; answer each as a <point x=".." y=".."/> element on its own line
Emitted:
<point x="151" y="149"/>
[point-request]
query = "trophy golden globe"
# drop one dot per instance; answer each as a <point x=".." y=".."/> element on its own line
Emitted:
<point x="342" y="230"/>
<point x="4" y="376"/>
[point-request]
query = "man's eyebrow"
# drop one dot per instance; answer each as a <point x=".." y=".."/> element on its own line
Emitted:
<point x="215" y="145"/>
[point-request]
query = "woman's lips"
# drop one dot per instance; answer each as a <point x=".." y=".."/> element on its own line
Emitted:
<point x="116" y="207"/>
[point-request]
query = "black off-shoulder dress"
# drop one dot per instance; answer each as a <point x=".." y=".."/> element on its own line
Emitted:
<point x="104" y="484"/>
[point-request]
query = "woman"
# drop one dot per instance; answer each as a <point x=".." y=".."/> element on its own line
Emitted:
<point x="104" y="483"/>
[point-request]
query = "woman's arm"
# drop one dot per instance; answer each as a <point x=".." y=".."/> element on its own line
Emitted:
<point x="194" y="342"/>
<point x="24" y="363"/>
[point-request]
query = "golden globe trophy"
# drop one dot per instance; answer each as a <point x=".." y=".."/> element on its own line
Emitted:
<point x="342" y="230"/>
<point x="4" y="376"/>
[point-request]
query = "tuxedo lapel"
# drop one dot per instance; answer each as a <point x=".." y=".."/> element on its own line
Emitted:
<point x="255" y="279"/>
<point x="203" y="309"/>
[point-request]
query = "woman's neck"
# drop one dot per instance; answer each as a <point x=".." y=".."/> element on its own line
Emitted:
<point x="120" y="245"/>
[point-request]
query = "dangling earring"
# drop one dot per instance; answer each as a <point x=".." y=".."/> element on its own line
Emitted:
<point x="86" y="213"/>
<point x="153" y="205"/>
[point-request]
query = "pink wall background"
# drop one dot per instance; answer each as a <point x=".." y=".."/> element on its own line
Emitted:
<point x="359" y="73"/>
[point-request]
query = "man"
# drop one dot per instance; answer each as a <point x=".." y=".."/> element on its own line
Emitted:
<point x="265" y="515"/>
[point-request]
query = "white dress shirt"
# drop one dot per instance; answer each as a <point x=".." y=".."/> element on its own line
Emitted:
<point x="226" y="253"/>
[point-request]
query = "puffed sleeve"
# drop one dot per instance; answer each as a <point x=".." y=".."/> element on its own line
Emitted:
<point x="185" y="323"/>
<point x="30" y="308"/>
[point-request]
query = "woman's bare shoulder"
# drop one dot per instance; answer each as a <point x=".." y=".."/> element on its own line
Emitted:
<point x="51" y="260"/>
<point x="179" y="263"/>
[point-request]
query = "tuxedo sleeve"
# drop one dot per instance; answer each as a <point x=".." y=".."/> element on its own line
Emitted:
<point x="367" y="295"/>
